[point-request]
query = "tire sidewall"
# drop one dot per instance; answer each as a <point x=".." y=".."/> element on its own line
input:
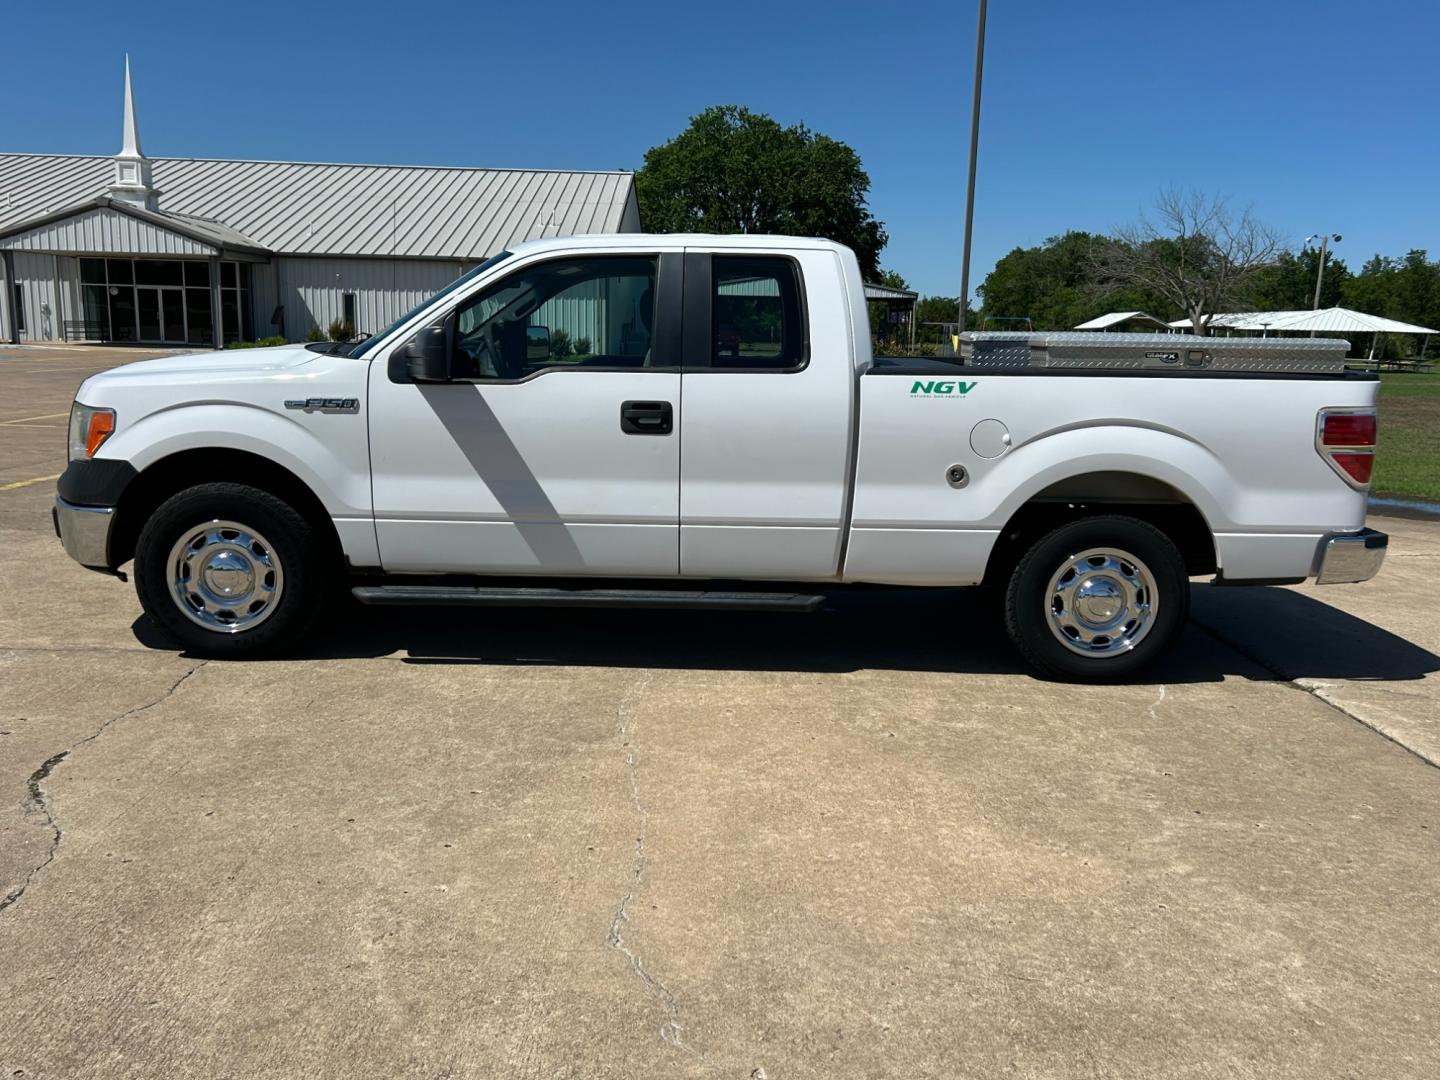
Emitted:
<point x="290" y="536"/>
<point x="1028" y="623"/>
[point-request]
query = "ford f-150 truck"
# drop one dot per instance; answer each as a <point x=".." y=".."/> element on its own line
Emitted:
<point x="698" y="421"/>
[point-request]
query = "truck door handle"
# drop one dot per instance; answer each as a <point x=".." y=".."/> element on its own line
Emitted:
<point x="647" y="417"/>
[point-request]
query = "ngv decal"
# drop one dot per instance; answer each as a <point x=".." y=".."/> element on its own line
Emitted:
<point x="941" y="388"/>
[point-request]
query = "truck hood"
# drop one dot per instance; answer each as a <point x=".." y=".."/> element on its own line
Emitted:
<point x="228" y="362"/>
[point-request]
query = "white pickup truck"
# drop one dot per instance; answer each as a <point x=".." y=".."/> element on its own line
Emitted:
<point x="698" y="421"/>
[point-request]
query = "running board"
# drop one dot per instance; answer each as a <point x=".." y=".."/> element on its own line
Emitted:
<point x="485" y="596"/>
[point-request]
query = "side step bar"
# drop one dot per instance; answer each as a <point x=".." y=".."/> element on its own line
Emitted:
<point x="487" y="596"/>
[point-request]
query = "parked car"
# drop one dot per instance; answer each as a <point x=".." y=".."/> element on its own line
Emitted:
<point x="682" y="465"/>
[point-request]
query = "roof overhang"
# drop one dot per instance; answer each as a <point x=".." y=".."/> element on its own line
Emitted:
<point x="106" y="226"/>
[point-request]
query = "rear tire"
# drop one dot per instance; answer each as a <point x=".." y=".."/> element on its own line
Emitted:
<point x="231" y="570"/>
<point x="1097" y="600"/>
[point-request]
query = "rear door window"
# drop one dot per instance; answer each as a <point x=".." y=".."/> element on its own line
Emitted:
<point x="757" y="320"/>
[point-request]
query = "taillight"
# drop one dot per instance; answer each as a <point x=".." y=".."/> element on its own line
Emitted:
<point x="1348" y="429"/>
<point x="1346" y="439"/>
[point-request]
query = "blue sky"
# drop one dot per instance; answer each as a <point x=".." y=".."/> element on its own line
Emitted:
<point x="1322" y="115"/>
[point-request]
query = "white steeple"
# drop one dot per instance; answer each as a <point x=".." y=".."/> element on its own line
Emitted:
<point x="132" y="181"/>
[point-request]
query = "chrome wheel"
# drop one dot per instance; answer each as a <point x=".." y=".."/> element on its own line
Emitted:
<point x="1101" y="602"/>
<point x="224" y="576"/>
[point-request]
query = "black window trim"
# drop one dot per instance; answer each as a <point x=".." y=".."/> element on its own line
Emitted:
<point x="669" y="283"/>
<point x="699" y="316"/>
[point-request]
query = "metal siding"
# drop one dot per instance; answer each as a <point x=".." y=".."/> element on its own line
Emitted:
<point x="344" y="210"/>
<point x="6" y="302"/>
<point x="71" y="308"/>
<point x="384" y="289"/>
<point x="36" y="275"/>
<point x="101" y="230"/>
<point x="262" y="299"/>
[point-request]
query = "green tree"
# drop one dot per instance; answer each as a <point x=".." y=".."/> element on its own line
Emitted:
<point x="1056" y="285"/>
<point x="735" y="171"/>
<point x="1289" y="283"/>
<point x="1407" y="289"/>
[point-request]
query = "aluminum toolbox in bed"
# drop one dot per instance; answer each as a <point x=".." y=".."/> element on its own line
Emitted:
<point x="1176" y="352"/>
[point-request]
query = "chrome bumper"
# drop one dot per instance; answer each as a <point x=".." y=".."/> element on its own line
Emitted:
<point x="85" y="532"/>
<point x="1352" y="557"/>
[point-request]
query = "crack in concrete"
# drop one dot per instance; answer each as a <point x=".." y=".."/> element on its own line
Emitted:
<point x="1317" y="692"/>
<point x="38" y="800"/>
<point x="1157" y="703"/>
<point x="672" y="1031"/>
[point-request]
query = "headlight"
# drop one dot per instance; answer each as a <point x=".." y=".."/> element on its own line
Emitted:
<point x="89" y="428"/>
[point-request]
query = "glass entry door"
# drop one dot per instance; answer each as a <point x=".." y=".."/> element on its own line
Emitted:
<point x="161" y="313"/>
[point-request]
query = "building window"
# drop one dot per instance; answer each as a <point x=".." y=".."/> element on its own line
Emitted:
<point x="162" y="300"/>
<point x="19" y="310"/>
<point x="348" y="303"/>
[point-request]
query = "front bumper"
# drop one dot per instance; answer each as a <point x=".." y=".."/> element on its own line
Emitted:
<point x="1352" y="557"/>
<point x="85" y="532"/>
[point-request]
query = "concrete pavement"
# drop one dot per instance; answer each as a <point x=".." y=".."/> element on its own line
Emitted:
<point x="865" y="843"/>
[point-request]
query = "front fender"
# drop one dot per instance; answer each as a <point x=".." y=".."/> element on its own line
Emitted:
<point x="328" y="451"/>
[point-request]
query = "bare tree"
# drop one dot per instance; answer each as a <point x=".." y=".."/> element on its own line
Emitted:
<point x="1196" y="253"/>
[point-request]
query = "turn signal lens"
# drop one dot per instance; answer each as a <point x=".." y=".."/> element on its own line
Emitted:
<point x="1348" y="429"/>
<point x="89" y="428"/>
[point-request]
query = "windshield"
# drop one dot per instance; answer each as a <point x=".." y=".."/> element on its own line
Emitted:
<point x="365" y="346"/>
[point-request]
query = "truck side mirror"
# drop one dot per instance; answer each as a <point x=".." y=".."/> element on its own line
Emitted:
<point x="537" y="344"/>
<point x="427" y="356"/>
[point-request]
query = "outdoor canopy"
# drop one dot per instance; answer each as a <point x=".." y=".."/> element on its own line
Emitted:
<point x="1339" y="320"/>
<point x="1336" y="320"/>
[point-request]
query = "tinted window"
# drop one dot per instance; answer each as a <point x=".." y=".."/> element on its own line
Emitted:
<point x="596" y="312"/>
<point x="756" y="315"/>
<point x="159" y="272"/>
<point x="92" y="271"/>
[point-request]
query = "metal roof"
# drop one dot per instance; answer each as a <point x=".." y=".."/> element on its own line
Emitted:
<point x="1326" y="320"/>
<point x="885" y="292"/>
<point x="1115" y="318"/>
<point x="1345" y="321"/>
<point x="1241" y="320"/>
<point x="303" y="208"/>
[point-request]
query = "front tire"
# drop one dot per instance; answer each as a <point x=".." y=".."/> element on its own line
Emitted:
<point x="1097" y="600"/>
<point x="230" y="570"/>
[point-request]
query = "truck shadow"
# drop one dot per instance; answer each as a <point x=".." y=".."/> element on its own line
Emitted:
<point x="1261" y="633"/>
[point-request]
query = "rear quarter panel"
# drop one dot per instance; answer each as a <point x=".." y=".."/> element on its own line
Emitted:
<point x="1242" y="450"/>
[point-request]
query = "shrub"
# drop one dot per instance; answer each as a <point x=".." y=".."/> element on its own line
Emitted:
<point x="315" y="334"/>
<point x="582" y="346"/>
<point x="263" y="343"/>
<point x="340" y="330"/>
<point x="560" y="346"/>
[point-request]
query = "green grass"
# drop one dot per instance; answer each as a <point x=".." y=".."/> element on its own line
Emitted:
<point x="1407" y="462"/>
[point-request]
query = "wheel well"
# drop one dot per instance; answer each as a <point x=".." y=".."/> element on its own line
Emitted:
<point x="190" y="467"/>
<point x="1089" y="494"/>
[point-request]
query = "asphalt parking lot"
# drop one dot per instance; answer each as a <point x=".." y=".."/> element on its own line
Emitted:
<point x="862" y="843"/>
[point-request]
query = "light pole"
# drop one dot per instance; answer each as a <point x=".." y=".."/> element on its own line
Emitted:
<point x="1324" y="239"/>
<point x="974" y="146"/>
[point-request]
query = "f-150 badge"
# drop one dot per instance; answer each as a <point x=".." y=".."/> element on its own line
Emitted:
<point x="325" y="404"/>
